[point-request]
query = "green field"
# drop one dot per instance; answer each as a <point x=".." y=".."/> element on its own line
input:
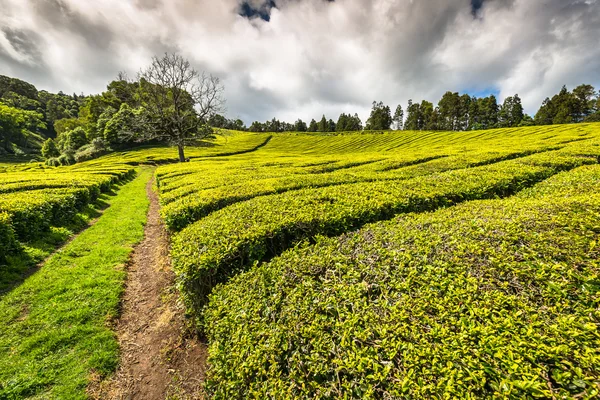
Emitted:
<point x="361" y="265"/>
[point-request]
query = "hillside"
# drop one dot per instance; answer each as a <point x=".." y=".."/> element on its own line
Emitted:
<point x="405" y="264"/>
<point x="28" y="115"/>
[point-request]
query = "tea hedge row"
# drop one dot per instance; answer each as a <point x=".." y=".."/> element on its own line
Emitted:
<point x="432" y="142"/>
<point x="203" y="190"/>
<point x="22" y="182"/>
<point x="488" y="299"/>
<point x="219" y="246"/>
<point x="33" y="201"/>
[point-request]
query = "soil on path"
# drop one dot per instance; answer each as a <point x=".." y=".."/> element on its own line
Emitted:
<point x="158" y="358"/>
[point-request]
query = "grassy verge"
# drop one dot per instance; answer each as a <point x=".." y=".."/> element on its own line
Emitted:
<point x="54" y="328"/>
<point x="37" y="250"/>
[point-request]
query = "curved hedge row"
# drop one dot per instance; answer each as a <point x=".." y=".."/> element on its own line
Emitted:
<point x="35" y="200"/>
<point x="219" y="246"/>
<point x="24" y="182"/>
<point x="204" y="189"/>
<point x="488" y="299"/>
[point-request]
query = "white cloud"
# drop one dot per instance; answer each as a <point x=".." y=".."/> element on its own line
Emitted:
<point x="314" y="56"/>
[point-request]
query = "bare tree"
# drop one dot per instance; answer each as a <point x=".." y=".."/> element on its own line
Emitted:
<point x="179" y="101"/>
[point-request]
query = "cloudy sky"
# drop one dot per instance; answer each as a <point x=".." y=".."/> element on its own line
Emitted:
<point x="303" y="58"/>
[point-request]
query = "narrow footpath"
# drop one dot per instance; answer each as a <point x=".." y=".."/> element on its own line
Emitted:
<point x="158" y="359"/>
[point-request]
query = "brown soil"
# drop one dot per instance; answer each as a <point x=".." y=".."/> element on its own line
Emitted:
<point x="158" y="358"/>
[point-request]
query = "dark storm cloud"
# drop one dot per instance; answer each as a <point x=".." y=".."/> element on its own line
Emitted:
<point x="263" y="11"/>
<point x="303" y="58"/>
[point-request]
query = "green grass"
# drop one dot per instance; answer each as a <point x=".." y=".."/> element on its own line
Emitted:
<point x="54" y="327"/>
<point x="35" y="251"/>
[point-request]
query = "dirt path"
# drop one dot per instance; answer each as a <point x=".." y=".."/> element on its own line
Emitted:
<point x="158" y="360"/>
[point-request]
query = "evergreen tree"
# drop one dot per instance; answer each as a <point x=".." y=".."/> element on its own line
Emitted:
<point x="256" y="127"/>
<point x="323" y="125"/>
<point x="511" y="112"/>
<point x="545" y="114"/>
<point x="428" y="118"/>
<point x="464" y="113"/>
<point x="380" y="118"/>
<point x="586" y="102"/>
<point x="313" y="126"/>
<point x="413" y="115"/>
<point x="342" y="123"/>
<point x="331" y="126"/>
<point x="449" y="110"/>
<point x="398" y="117"/>
<point x="300" y="126"/>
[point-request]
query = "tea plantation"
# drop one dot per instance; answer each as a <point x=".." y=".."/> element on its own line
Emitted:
<point x="386" y="265"/>
<point x="409" y="265"/>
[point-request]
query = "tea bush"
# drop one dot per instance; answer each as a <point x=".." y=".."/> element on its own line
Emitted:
<point x="226" y="242"/>
<point x="488" y="299"/>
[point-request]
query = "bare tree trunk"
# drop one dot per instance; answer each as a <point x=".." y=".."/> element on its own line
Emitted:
<point x="181" y="155"/>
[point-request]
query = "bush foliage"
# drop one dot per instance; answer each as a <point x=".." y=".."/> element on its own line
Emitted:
<point x="488" y="299"/>
<point x="484" y="283"/>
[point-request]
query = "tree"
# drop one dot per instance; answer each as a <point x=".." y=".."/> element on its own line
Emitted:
<point x="464" y="115"/>
<point x="545" y="114"/>
<point x="565" y="107"/>
<point x="313" y="126"/>
<point x="126" y="125"/>
<point x="341" y="123"/>
<point x="72" y="140"/>
<point x="217" y="121"/>
<point x="179" y="101"/>
<point x="354" y="123"/>
<point x="300" y="126"/>
<point x="511" y="112"/>
<point x="323" y="125"/>
<point x="331" y="126"/>
<point x="398" y="117"/>
<point x="256" y="127"/>
<point x="273" y="126"/>
<point x="584" y="95"/>
<point x="516" y="114"/>
<point x="428" y="118"/>
<point x="49" y="149"/>
<point x="67" y="124"/>
<point x="18" y="126"/>
<point x="527" y="121"/>
<point x="413" y="112"/>
<point x="488" y="112"/>
<point x="380" y="118"/>
<point x="474" y="115"/>
<point x="449" y="111"/>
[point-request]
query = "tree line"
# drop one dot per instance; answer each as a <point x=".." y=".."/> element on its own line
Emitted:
<point x="453" y="112"/>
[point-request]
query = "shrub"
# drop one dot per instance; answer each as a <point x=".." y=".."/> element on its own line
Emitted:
<point x="49" y="149"/>
<point x="226" y="242"/>
<point x="8" y="241"/>
<point x="488" y="299"/>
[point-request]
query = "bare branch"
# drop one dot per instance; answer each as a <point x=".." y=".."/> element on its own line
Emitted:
<point x="179" y="99"/>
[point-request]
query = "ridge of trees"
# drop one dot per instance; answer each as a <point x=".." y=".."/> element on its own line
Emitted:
<point x="453" y="112"/>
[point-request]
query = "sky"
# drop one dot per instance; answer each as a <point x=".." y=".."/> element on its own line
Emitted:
<point x="294" y="59"/>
